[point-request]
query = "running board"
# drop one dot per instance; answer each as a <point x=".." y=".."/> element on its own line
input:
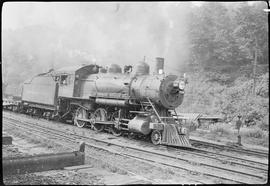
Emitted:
<point x="96" y="122"/>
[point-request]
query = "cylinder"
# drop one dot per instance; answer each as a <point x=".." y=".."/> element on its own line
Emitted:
<point x="140" y="124"/>
<point x="159" y="65"/>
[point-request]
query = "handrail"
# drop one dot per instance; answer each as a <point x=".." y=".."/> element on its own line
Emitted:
<point x="176" y="116"/>
<point x="154" y="109"/>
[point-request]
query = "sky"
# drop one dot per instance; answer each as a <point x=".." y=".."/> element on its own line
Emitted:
<point x="53" y="34"/>
<point x="121" y="32"/>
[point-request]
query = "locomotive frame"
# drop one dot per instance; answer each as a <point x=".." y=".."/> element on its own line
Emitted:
<point x="114" y="101"/>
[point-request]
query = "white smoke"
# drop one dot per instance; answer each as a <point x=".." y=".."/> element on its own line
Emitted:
<point x="61" y="34"/>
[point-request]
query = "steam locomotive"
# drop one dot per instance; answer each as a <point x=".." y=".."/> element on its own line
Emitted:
<point x="109" y="99"/>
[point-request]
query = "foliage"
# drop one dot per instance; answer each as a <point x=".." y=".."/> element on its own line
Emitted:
<point x="226" y="132"/>
<point x="208" y="97"/>
<point x="240" y="100"/>
<point x="221" y="129"/>
<point x="223" y="39"/>
<point x="252" y="30"/>
<point x="264" y="123"/>
<point x="254" y="132"/>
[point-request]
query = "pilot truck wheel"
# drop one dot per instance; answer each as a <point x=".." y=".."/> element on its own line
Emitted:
<point x="156" y="137"/>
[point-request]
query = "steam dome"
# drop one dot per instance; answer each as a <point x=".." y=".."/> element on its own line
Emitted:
<point x="114" y="68"/>
<point x="142" y="68"/>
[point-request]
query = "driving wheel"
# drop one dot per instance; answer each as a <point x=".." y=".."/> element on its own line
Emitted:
<point x="80" y="114"/>
<point x="115" y="131"/>
<point x="100" y="115"/>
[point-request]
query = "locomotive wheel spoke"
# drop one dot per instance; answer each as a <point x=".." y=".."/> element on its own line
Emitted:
<point x="56" y="118"/>
<point x="98" y="127"/>
<point x="156" y="137"/>
<point x="92" y="118"/>
<point x="80" y="113"/>
<point x="100" y="115"/>
<point x="115" y="131"/>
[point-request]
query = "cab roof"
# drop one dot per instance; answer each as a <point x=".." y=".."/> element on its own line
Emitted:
<point x="69" y="69"/>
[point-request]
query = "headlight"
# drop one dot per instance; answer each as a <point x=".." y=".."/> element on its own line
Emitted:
<point x="182" y="85"/>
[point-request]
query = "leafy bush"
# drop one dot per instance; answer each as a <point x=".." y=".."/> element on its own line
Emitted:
<point x="223" y="129"/>
<point x="193" y="125"/>
<point x="253" y="132"/>
<point x="240" y="100"/>
<point x="264" y="123"/>
<point x="203" y="96"/>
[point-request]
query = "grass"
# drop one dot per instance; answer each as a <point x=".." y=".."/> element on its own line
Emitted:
<point x="222" y="132"/>
<point x="254" y="132"/>
<point x="221" y="129"/>
<point x="256" y="136"/>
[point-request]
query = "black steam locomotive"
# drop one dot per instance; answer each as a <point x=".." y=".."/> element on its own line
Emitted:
<point x="109" y="99"/>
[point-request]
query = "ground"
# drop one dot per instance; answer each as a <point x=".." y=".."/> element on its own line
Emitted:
<point x="105" y="168"/>
<point x="95" y="175"/>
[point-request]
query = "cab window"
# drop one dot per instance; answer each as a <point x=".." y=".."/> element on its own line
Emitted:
<point x="56" y="78"/>
<point x="63" y="79"/>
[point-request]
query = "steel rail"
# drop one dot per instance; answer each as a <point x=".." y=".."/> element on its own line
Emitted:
<point x="160" y="155"/>
<point x="75" y="140"/>
<point x="261" y="166"/>
<point x="200" y="152"/>
<point x="228" y="148"/>
<point x="117" y="152"/>
<point x="89" y="145"/>
<point x="213" y="155"/>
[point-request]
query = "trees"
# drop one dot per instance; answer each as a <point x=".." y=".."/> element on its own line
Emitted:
<point x="252" y="34"/>
<point x="210" y="35"/>
<point x="224" y="38"/>
<point x="225" y="42"/>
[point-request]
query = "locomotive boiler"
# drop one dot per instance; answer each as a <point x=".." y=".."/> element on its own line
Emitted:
<point x="132" y="101"/>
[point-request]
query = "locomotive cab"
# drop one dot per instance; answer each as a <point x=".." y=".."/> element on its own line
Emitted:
<point x="72" y="78"/>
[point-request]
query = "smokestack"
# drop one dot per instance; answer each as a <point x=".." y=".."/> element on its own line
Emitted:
<point x="159" y="65"/>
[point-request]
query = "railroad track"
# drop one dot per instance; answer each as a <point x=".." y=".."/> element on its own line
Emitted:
<point x="258" y="153"/>
<point x="200" y="145"/>
<point x="220" y="172"/>
<point x="71" y="144"/>
<point x="223" y="158"/>
<point x="217" y="146"/>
